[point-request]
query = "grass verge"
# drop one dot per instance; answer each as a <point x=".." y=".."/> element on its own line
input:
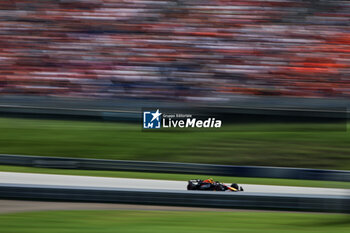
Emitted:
<point x="176" y="221"/>
<point x="286" y="145"/>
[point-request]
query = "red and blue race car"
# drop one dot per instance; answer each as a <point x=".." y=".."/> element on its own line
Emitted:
<point x="211" y="185"/>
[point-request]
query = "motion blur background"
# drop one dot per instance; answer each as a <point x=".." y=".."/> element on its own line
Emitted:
<point x="108" y="59"/>
<point x="84" y="69"/>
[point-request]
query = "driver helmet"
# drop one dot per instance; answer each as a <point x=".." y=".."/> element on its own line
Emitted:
<point x="210" y="180"/>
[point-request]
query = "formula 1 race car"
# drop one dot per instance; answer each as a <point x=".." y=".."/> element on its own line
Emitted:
<point x="211" y="185"/>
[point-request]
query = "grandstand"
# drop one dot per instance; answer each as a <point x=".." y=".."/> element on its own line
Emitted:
<point x="179" y="50"/>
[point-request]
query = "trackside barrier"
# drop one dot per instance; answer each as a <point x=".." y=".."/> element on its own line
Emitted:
<point x="290" y="202"/>
<point x="167" y="167"/>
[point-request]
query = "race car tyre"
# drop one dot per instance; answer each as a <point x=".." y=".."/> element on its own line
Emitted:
<point x="241" y="189"/>
<point x="235" y="186"/>
<point x="190" y="186"/>
<point x="220" y="188"/>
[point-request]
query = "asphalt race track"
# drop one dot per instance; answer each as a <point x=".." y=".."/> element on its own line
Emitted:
<point x="103" y="182"/>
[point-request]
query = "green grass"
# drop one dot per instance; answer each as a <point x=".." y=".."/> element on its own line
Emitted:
<point x="287" y="145"/>
<point x="176" y="221"/>
<point x="179" y="177"/>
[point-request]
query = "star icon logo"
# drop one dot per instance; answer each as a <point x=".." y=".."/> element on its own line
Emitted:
<point x="156" y="115"/>
<point x="151" y="119"/>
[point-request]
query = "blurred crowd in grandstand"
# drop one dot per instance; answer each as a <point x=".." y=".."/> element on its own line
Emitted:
<point x="175" y="49"/>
